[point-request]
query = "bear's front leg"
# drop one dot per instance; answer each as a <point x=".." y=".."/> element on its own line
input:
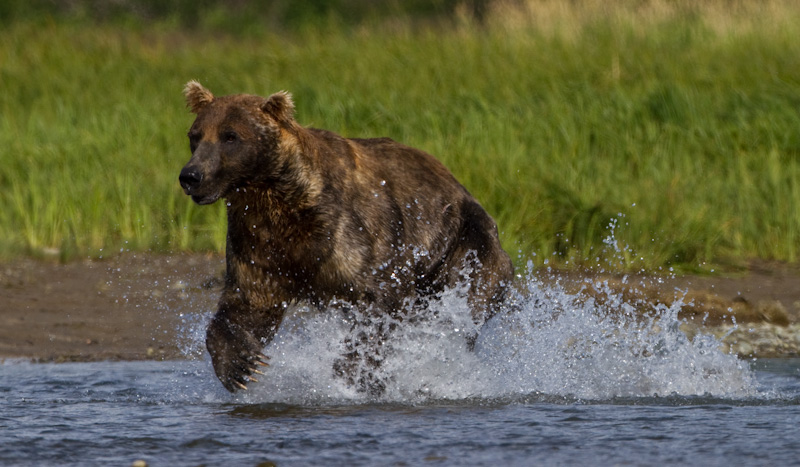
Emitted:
<point x="235" y="348"/>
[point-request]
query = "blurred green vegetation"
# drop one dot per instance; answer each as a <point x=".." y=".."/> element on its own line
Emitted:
<point x="236" y="16"/>
<point x="642" y="135"/>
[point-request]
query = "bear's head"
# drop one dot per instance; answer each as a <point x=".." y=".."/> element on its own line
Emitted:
<point x="235" y="141"/>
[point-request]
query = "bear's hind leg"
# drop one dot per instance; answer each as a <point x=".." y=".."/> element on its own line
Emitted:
<point x="364" y="352"/>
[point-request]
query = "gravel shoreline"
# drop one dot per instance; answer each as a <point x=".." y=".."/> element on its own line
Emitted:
<point x="756" y="340"/>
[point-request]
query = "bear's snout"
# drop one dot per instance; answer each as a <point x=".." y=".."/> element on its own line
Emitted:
<point x="189" y="178"/>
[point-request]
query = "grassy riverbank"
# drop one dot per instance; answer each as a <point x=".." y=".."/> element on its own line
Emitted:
<point x="676" y="128"/>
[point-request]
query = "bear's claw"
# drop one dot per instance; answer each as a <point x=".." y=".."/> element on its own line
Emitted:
<point x="235" y="354"/>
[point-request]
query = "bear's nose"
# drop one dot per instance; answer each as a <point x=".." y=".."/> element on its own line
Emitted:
<point x="190" y="178"/>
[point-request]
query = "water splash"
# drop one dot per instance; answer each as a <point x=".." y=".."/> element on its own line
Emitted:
<point x="565" y="344"/>
<point x="550" y="342"/>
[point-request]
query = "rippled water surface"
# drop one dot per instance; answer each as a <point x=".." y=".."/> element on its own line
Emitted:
<point x="556" y="381"/>
<point x="174" y="413"/>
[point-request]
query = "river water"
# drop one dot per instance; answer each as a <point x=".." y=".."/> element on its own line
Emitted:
<point x="556" y="381"/>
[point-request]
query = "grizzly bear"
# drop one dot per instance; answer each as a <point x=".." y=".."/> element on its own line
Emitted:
<point x="317" y="218"/>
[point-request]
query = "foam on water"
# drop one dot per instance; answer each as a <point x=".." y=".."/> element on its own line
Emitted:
<point x="549" y="342"/>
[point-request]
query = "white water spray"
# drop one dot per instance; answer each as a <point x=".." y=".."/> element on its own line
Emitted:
<point x="549" y="342"/>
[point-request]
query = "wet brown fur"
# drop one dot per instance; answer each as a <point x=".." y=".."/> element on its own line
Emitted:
<point x="316" y="217"/>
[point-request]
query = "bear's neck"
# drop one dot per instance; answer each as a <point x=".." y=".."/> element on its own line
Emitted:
<point x="265" y="208"/>
<point x="267" y="235"/>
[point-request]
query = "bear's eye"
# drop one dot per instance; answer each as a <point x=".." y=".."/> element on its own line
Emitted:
<point x="230" y="137"/>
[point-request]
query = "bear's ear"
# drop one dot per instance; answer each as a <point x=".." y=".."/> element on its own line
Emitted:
<point x="197" y="96"/>
<point x="280" y="107"/>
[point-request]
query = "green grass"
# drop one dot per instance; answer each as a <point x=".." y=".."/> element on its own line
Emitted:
<point x="678" y="124"/>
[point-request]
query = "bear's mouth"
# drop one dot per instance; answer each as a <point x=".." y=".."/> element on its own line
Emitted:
<point x="200" y="196"/>
<point x="207" y="199"/>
